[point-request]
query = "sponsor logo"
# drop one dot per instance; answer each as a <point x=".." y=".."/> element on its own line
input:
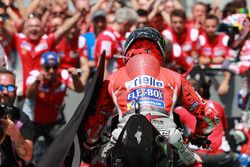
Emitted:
<point x="154" y="103"/>
<point x="26" y="46"/>
<point x="40" y="47"/>
<point x="145" y="93"/>
<point x="73" y="54"/>
<point x="144" y="80"/>
<point x="194" y="105"/>
<point x="207" y="51"/>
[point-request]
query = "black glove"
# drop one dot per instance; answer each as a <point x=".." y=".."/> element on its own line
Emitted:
<point x="200" y="141"/>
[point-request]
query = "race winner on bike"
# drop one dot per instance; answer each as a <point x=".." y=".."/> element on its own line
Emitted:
<point x="144" y="77"/>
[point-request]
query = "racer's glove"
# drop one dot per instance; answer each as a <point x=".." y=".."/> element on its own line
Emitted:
<point x="200" y="141"/>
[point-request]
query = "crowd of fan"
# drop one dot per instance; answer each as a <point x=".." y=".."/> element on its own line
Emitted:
<point x="52" y="46"/>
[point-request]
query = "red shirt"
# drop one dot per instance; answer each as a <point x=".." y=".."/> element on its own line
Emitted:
<point x="30" y="53"/>
<point x="183" y="45"/>
<point x="217" y="137"/>
<point x="69" y="53"/>
<point x="215" y="48"/>
<point x="48" y="101"/>
<point x="111" y="41"/>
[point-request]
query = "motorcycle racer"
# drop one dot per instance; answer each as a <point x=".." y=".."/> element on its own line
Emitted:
<point x="158" y="89"/>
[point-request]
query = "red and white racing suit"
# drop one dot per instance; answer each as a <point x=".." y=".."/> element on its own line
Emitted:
<point x="183" y="46"/>
<point x="219" y="143"/>
<point x="157" y="89"/>
<point x="216" y="48"/>
<point x="112" y="42"/>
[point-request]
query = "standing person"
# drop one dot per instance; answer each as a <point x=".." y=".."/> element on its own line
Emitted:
<point x="5" y="42"/>
<point x="31" y="44"/>
<point x="143" y="77"/>
<point x="72" y="55"/>
<point x="87" y="40"/>
<point x="199" y="12"/>
<point x="112" y="38"/>
<point x="46" y="90"/>
<point x="214" y="50"/>
<point x="184" y="39"/>
<point x="143" y="20"/>
<point x="220" y="153"/>
<point x="17" y="146"/>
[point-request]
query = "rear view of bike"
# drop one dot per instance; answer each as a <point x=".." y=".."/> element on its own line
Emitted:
<point x="140" y="144"/>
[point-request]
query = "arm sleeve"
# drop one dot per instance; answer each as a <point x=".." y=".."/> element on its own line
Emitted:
<point x="207" y="117"/>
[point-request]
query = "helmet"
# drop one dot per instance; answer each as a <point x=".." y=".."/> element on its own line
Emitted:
<point x="49" y="56"/>
<point x="150" y="34"/>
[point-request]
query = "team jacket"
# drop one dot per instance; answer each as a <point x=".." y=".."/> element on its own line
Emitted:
<point x="156" y="88"/>
<point x="112" y="42"/>
<point x="69" y="53"/>
<point x="183" y="46"/>
<point x="216" y="48"/>
<point x="30" y="53"/>
<point x="47" y="104"/>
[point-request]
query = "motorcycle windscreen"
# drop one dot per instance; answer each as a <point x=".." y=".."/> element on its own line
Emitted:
<point x="136" y="144"/>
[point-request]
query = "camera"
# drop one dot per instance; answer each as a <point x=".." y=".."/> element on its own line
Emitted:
<point x="9" y="111"/>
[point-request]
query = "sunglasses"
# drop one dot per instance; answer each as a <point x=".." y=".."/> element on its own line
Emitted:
<point x="4" y="16"/>
<point x="48" y="67"/>
<point x="10" y="88"/>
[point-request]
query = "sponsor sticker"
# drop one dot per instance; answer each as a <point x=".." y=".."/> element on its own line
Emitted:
<point x="145" y="93"/>
<point x="154" y="103"/>
<point x="144" y="80"/>
<point x="194" y="105"/>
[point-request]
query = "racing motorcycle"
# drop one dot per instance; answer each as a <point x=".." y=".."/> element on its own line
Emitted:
<point x="141" y="144"/>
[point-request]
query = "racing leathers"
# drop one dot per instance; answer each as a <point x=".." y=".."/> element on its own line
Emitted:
<point x="157" y="90"/>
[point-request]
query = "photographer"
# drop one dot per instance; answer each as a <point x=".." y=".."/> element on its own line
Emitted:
<point x="16" y="130"/>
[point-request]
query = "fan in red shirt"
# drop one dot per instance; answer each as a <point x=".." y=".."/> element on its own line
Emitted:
<point x="184" y="41"/>
<point x="46" y="90"/>
<point x="32" y="43"/>
<point x="214" y="50"/>
<point x="112" y="39"/>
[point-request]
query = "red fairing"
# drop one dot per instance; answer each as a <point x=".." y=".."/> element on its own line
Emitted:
<point x="156" y="88"/>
